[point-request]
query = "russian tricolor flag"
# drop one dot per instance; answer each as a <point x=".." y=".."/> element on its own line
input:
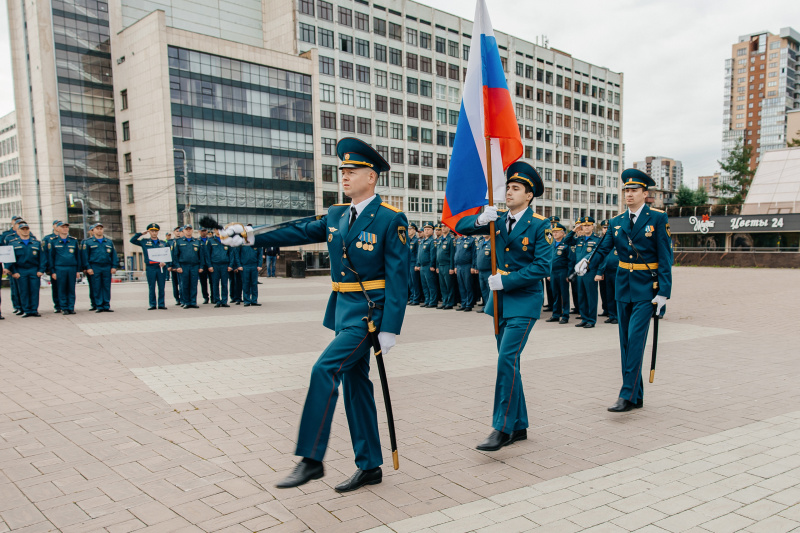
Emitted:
<point x="486" y="111"/>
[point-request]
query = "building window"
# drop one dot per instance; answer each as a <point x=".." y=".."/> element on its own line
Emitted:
<point x="380" y="53"/>
<point x="441" y="162"/>
<point x="329" y="173"/>
<point x="348" y="122"/>
<point x="441" y="45"/>
<point x="425" y="40"/>
<point x="412" y="110"/>
<point x="129" y="190"/>
<point x="346" y="70"/>
<point x="396" y="106"/>
<point x="325" y="38"/>
<point x="395" y="31"/>
<point x="427" y="205"/>
<point x="364" y="126"/>
<point x="328" y="146"/>
<point x="380" y="78"/>
<point x="307" y="33"/>
<point x="427" y="161"/>
<point x="452" y="48"/>
<point x="454" y="94"/>
<point x="383" y="151"/>
<point x="381" y="128"/>
<point x="379" y="26"/>
<point x="398" y="180"/>
<point x="453" y="117"/>
<point x="132" y="223"/>
<point x="362" y="21"/>
<point x="413" y="155"/>
<point x="441" y="138"/>
<point x="326" y="66"/>
<point x="397" y="82"/>
<point x="427" y="136"/>
<point x="327" y="120"/>
<point x="381" y="103"/>
<point x="465" y="54"/>
<point x="307" y="7"/>
<point x="128" y="163"/>
<point x="345" y="43"/>
<point x="441" y="69"/>
<point x="425" y="64"/>
<point x="412" y="85"/>
<point x="363" y="99"/>
<point x="413" y="136"/>
<point x="413" y="203"/>
<point x="123" y="96"/>
<point x="397" y="131"/>
<point x="413" y="181"/>
<point x="427" y="112"/>
<point x="345" y="16"/>
<point x="324" y="10"/>
<point x="362" y="74"/>
<point x="411" y="36"/>
<point x="126" y="131"/>
<point x="327" y="93"/>
<point x="397" y="155"/>
<point x="362" y="48"/>
<point x="452" y="72"/>
<point x="396" y="57"/>
<point x="426" y="88"/>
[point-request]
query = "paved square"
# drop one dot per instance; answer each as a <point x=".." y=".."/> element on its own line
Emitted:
<point x="183" y="420"/>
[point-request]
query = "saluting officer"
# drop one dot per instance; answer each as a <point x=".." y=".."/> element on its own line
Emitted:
<point x="585" y="244"/>
<point x="483" y="262"/>
<point x="641" y="237"/>
<point x="248" y="262"/>
<point x="423" y="266"/>
<point x="176" y="276"/>
<point x="53" y="285"/>
<point x="608" y="274"/>
<point x="445" y="267"/>
<point x="464" y="262"/>
<point x="29" y="267"/>
<point x="156" y="276"/>
<point x="415" y="295"/>
<point x="218" y="260"/>
<point x="560" y="271"/>
<point x="187" y="258"/>
<point x="101" y="262"/>
<point x="367" y="242"/>
<point x="523" y="256"/>
<point x="64" y="258"/>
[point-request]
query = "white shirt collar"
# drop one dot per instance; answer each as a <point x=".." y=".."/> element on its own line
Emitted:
<point x="637" y="212"/>
<point x="361" y="205"/>
<point x="518" y="214"/>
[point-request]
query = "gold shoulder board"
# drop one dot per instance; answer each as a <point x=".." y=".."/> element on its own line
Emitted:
<point x="656" y="210"/>
<point x="390" y="206"/>
<point x="540" y="217"/>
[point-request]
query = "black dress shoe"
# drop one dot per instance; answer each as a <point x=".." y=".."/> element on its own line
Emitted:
<point x="2" y="317"/>
<point x="623" y="405"/>
<point x="57" y="311"/>
<point x="97" y="310"/>
<point x="71" y="312"/>
<point x="164" y="308"/>
<point x="564" y="320"/>
<point x="603" y="314"/>
<point x="575" y="311"/>
<point x="256" y="305"/>
<point x="246" y="305"/>
<point x="439" y="306"/>
<point x="588" y="326"/>
<point x="108" y="310"/>
<point x="414" y="303"/>
<point x="237" y="303"/>
<point x="580" y="324"/>
<point x="446" y="307"/>
<point x="225" y="305"/>
<point x="361" y="478"/>
<point x="64" y="312"/>
<point x="151" y="308"/>
<point x="302" y="474"/>
<point x="553" y="319"/>
<point x="612" y="321"/>
<point x="495" y="441"/>
<point x="25" y="315"/>
<point x="18" y="312"/>
<point x="547" y="309"/>
<point x="34" y="314"/>
<point x="93" y="309"/>
<point x="468" y="309"/>
<point x="218" y="305"/>
<point x="205" y="301"/>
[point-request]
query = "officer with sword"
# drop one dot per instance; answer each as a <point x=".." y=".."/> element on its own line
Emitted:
<point x="643" y="243"/>
<point x="369" y="255"/>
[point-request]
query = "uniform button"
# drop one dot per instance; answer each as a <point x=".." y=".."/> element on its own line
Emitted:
<point x="342" y="273"/>
<point x="630" y="256"/>
<point x="506" y="249"/>
<point x="506" y="266"/>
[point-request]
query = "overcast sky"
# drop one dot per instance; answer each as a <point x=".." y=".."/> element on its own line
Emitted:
<point x="672" y="53"/>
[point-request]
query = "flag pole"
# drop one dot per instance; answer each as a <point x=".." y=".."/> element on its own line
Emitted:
<point x="491" y="229"/>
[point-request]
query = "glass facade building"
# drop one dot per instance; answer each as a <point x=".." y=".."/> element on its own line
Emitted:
<point x="246" y="130"/>
<point x="86" y="109"/>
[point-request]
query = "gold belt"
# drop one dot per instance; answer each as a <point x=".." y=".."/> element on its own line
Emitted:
<point x="355" y="287"/>
<point x="638" y="266"/>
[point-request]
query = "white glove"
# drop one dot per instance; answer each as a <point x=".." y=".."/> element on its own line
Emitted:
<point x="230" y="231"/>
<point x="582" y="267"/>
<point x="496" y="282"/>
<point x="387" y="341"/>
<point x="231" y="236"/>
<point x="489" y="215"/>
<point x="661" y="303"/>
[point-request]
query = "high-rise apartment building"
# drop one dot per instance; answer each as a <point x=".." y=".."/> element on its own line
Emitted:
<point x="391" y="73"/>
<point x="761" y="86"/>
<point x="10" y="185"/>
<point x="668" y="175"/>
<point x="252" y="96"/>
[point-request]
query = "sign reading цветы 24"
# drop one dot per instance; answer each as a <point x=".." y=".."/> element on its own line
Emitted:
<point x="739" y="224"/>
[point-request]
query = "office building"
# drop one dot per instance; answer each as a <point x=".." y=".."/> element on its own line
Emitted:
<point x="668" y="175"/>
<point x="10" y="185"/>
<point x="761" y="87"/>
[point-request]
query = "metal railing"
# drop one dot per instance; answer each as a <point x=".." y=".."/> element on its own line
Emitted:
<point x="700" y="210"/>
<point x="739" y="249"/>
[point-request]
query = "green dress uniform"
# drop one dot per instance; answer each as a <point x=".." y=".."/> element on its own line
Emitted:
<point x="249" y="259"/>
<point x="53" y="285"/>
<point x="523" y="259"/>
<point x="188" y="256"/>
<point x="443" y="261"/>
<point x="464" y="260"/>
<point x="560" y="270"/>
<point x="156" y="276"/>
<point x="415" y="295"/>
<point x="30" y="261"/>
<point x="483" y="262"/>
<point x="175" y="275"/>
<point x="376" y="246"/>
<point x="100" y="256"/>
<point x="645" y="255"/>
<point x="424" y="260"/>
<point x="587" y="286"/>
<point x="219" y="257"/>
<point x="609" y="272"/>
<point x="5" y="240"/>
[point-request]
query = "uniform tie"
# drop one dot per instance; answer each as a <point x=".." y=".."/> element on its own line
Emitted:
<point x="353" y="215"/>
<point x="511" y="221"/>
<point x="633" y="219"/>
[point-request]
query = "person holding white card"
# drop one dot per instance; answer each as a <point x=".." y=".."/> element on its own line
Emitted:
<point x="156" y="267"/>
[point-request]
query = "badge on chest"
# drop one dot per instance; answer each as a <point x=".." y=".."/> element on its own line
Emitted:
<point x="366" y="241"/>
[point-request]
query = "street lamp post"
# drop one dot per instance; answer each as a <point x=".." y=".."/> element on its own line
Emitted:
<point x="186" y="207"/>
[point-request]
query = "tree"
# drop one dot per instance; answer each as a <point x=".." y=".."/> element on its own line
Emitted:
<point x="685" y="197"/>
<point x="795" y="141"/>
<point x="700" y="196"/>
<point x="737" y="167"/>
